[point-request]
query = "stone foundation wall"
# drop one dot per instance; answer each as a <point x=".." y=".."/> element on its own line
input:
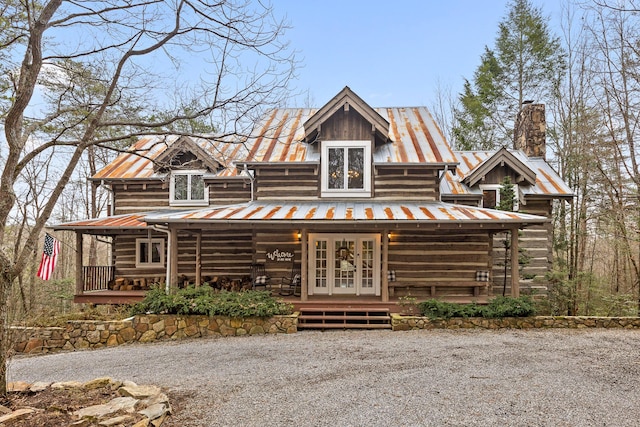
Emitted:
<point x="85" y="334"/>
<point x="405" y="323"/>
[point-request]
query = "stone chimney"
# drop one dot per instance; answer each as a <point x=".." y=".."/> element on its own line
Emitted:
<point x="530" y="130"/>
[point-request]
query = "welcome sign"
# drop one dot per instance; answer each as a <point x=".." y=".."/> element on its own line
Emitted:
<point x="281" y="254"/>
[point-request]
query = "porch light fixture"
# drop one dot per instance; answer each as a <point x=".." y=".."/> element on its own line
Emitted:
<point x="388" y="236"/>
<point x="299" y="236"/>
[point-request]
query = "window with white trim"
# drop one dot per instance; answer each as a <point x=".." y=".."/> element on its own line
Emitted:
<point x="188" y="189"/>
<point x="149" y="252"/>
<point x="346" y="168"/>
<point x="491" y="196"/>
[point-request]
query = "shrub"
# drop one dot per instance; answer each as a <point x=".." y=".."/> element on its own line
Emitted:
<point x="204" y="300"/>
<point x="497" y="307"/>
<point x="510" y="307"/>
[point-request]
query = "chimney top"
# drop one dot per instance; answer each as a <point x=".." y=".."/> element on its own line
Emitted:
<point x="530" y="130"/>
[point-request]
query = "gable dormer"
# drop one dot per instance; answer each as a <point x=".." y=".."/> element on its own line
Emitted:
<point x="488" y="171"/>
<point x="187" y="164"/>
<point x="185" y="154"/>
<point x="347" y="131"/>
<point x="346" y="117"/>
<point x="489" y="175"/>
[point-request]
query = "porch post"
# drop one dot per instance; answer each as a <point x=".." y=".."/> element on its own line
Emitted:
<point x="198" y="260"/>
<point x="515" y="273"/>
<point x="79" y="267"/>
<point x="172" y="262"/>
<point x="304" y="286"/>
<point x="385" y="266"/>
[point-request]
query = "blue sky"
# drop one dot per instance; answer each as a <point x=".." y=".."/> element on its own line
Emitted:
<point x="392" y="53"/>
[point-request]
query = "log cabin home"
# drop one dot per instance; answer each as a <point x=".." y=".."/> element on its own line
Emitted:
<point x="353" y="204"/>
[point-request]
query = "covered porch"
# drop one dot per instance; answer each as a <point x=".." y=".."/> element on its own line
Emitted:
<point x="352" y="253"/>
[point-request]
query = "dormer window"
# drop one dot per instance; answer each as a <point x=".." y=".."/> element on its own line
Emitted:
<point x="491" y="196"/>
<point x="188" y="189"/>
<point x="346" y="169"/>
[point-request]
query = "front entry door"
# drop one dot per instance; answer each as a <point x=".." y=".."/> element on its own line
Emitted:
<point x="344" y="264"/>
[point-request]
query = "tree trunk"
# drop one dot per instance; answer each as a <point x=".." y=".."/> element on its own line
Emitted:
<point x="5" y="340"/>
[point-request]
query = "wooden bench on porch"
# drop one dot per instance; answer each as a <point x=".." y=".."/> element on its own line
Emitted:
<point x="431" y="287"/>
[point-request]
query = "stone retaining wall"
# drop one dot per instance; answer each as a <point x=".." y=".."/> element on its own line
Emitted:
<point x="405" y="323"/>
<point x="82" y="334"/>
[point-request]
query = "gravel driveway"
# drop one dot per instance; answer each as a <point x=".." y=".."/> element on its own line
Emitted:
<point x="379" y="378"/>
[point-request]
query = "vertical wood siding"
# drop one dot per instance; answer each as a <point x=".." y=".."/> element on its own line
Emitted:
<point x="346" y="126"/>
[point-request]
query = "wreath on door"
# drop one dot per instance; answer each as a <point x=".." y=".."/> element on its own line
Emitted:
<point x="344" y="254"/>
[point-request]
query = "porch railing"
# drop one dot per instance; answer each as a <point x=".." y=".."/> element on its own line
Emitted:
<point x="97" y="277"/>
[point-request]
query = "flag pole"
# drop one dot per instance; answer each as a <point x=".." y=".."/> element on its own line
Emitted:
<point x="61" y="241"/>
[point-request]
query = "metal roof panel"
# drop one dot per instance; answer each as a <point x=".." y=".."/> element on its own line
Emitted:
<point x="325" y="211"/>
<point x="548" y="182"/>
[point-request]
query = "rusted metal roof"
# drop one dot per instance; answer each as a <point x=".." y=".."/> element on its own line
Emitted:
<point x="116" y="222"/>
<point x="345" y="211"/>
<point x="138" y="161"/>
<point x="414" y="136"/>
<point x="548" y="182"/>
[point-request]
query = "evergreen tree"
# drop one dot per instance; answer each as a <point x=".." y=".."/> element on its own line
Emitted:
<point x="525" y="64"/>
<point x="507" y="195"/>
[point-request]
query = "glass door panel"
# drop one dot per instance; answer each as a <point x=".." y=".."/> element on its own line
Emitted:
<point x="366" y="266"/>
<point x="321" y="284"/>
<point x="344" y="269"/>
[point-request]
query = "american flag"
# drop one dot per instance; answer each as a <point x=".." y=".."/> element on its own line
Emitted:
<point x="49" y="257"/>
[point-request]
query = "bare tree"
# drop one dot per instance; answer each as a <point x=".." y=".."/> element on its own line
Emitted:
<point x="142" y="54"/>
<point x="443" y="108"/>
<point x="615" y="35"/>
<point x="573" y="134"/>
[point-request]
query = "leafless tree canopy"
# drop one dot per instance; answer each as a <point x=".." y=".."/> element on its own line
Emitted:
<point x="84" y="75"/>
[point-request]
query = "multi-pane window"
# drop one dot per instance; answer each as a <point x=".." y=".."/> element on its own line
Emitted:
<point x="149" y="252"/>
<point x="346" y="169"/>
<point x="187" y="188"/>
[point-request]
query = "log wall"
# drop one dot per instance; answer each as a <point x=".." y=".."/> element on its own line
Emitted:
<point x="287" y="239"/>
<point x="144" y="197"/>
<point x="140" y="197"/>
<point x="421" y="259"/>
<point x="536" y="253"/>
<point x="223" y="254"/>
<point x="300" y="183"/>
<point x="406" y="184"/>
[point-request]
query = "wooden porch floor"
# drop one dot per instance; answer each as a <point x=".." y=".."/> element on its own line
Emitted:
<point x="109" y="297"/>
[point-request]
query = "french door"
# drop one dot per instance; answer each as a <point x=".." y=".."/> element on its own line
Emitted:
<point x="344" y="264"/>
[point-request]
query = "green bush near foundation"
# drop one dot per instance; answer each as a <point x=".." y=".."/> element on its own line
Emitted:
<point x="498" y="307"/>
<point x="207" y="301"/>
